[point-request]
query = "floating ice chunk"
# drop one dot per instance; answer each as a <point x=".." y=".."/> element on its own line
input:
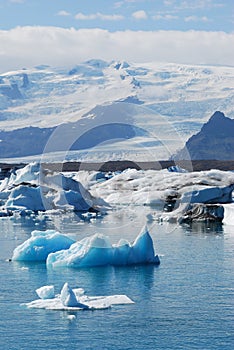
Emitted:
<point x="33" y="188"/>
<point x="67" y="300"/>
<point x="45" y="292"/>
<point x="40" y="244"/>
<point x="71" y="318"/>
<point x="98" y="251"/>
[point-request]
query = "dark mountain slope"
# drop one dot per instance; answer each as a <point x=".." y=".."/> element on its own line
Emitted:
<point x="214" y="141"/>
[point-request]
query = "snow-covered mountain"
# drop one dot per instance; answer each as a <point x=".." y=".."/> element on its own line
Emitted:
<point x="114" y="110"/>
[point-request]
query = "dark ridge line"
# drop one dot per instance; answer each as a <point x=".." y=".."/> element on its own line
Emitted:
<point x="194" y="165"/>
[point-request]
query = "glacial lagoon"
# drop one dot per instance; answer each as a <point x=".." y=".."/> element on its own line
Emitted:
<point x="184" y="303"/>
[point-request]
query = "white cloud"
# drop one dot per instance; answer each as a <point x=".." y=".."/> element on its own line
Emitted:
<point x="98" y="15"/>
<point x="121" y="3"/>
<point x="164" y="17"/>
<point x="63" y="13"/>
<point x="17" y="1"/>
<point x="141" y="14"/>
<point x="199" y="4"/>
<point x="168" y="2"/>
<point x="29" y="46"/>
<point x="118" y="4"/>
<point x="196" y="19"/>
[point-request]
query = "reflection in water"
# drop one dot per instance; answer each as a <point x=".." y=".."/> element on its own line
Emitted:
<point x="200" y="227"/>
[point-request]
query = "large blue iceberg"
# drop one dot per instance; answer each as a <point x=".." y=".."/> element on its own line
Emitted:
<point x="61" y="251"/>
<point x="98" y="251"/>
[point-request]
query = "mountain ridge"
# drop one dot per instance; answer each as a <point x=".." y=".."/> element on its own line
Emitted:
<point x="215" y="140"/>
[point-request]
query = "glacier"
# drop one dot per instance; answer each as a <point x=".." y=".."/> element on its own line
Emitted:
<point x="61" y="251"/>
<point x="175" y="97"/>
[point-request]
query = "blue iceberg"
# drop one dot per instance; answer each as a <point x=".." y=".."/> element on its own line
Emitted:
<point x="40" y="245"/>
<point x="98" y="251"/>
<point x="61" y="251"/>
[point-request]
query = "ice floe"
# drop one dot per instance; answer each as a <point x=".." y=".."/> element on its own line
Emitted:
<point x="72" y="300"/>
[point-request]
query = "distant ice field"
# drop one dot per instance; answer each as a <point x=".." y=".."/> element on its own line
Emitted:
<point x="169" y="102"/>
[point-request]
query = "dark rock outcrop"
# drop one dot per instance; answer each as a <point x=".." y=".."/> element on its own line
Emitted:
<point x="214" y="141"/>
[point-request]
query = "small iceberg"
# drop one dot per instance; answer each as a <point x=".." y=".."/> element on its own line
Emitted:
<point x="74" y="300"/>
<point x="60" y="251"/>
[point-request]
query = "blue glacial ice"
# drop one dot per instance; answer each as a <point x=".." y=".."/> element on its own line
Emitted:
<point x="40" y="244"/>
<point x="98" y="251"/>
<point x="60" y="251"/>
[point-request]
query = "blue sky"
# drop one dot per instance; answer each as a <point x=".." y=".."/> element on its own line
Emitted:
<point x="208" y="15"/>
<point x="67" y="32"/>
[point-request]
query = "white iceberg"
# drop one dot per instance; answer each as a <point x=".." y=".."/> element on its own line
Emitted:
<point x="40" y="244"/>
<point x="71" y="300"/>
<point x="98" y="251"/>
<point x="37" y="189"/>
<point x="153" y="187"/>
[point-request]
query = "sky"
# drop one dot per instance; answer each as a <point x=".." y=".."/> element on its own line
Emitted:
<point x="62" y="32"/>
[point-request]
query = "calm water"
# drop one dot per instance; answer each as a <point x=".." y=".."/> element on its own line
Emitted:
<point x="185" y="303"/>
